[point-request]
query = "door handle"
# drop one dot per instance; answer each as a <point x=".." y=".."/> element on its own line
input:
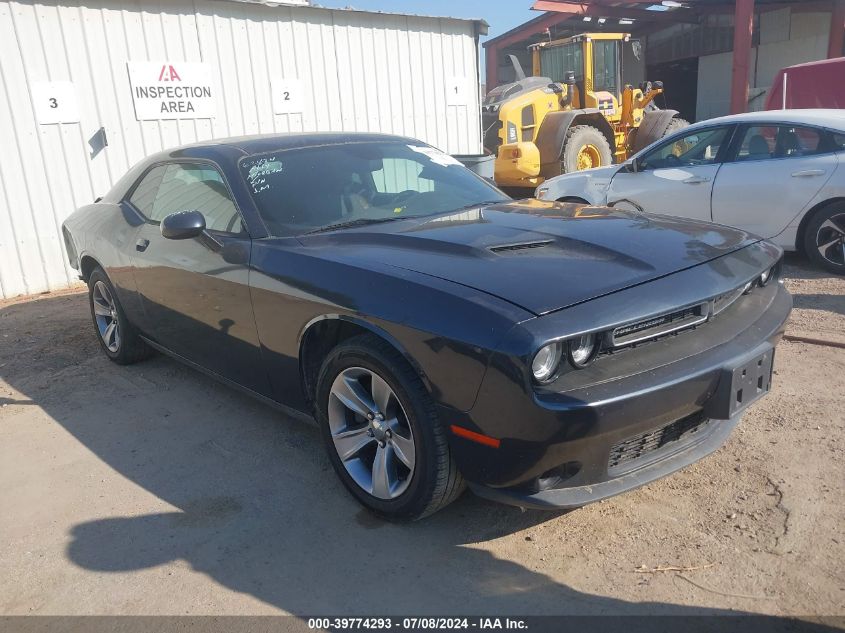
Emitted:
<point x="808" y="173"/>
<point x="141" y="244"/>
<point x="695" y="181"/>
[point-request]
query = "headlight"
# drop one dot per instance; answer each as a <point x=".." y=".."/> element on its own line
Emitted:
<point x="546" y="362"/>
<point x="767" y="276"/>
<point x="541" y="192"/>
<point x="748" y="287"/>
<point x="582" y="350"/>
<point x="511" y="132"/>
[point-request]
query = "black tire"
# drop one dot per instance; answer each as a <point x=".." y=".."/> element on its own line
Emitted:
<point x="435" y="481"/>
<point x="833" y="217"/>
<point x="130" y="349"/>
<point x="578" y="137"/>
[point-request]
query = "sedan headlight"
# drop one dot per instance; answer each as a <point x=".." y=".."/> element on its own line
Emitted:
<point x="582" y="350"/>
<point x="546" y="362"/>
<point x="767" y="276"/>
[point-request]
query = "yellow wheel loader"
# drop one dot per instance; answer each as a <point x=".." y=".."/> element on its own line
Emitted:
<point x="538" y="128"/>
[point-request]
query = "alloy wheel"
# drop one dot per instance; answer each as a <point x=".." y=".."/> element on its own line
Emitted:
<point x="830" y="239"/>
<point x="371" y="433"/>
<point x="105" y="314"/>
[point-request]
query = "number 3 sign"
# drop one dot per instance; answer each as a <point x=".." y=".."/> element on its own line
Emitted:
<point x="288" y="96"/>
<point x="55" y="102"/>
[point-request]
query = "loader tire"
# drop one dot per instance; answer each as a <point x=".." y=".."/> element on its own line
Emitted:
<point x="585" y="147"/>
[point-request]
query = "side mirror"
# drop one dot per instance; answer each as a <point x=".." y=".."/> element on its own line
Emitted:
<point x="183" y="225"/>
<point x="633" y="166"/>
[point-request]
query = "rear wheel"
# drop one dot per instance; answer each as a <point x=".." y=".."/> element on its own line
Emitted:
<point x="381" y="431"/>
<point x="824" y="238"/>
<point x="117" y="337"/>
<point x="585" y="147"/>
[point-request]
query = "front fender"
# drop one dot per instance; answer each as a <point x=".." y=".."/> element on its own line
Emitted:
<point x="590" y="185"/>
<point x="444" y="329"/>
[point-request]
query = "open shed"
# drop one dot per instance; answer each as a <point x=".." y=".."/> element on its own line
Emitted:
<point x="709" y="68"/>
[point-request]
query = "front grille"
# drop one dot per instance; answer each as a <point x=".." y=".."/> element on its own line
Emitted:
<point x="642" y="445"/>
<point x="660" y="325"/>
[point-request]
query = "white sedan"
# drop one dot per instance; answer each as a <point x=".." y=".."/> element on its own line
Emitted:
<point x="778" y="174"/>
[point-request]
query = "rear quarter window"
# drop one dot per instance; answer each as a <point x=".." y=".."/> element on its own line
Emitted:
<point x="144" y="195"/>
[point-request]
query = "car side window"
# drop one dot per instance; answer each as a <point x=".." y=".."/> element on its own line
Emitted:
<point x="838" y="141"/>
<point x="144" y="194"/>
<point x="761" y="142"/>
<point x="196" y="187"/>
<point x="696" y="148"/>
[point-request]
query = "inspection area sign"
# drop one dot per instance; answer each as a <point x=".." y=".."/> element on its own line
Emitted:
<point x="172" y="90"/>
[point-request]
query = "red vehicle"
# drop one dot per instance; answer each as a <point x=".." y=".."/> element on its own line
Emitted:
<point x="811" y="85"/>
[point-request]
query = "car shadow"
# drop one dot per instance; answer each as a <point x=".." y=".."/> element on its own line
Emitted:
<point x="798" y="266"/>
<point x="256" y="506"/>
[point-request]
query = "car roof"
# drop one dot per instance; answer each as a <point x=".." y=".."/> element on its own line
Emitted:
<point x="829" y="118"/>
<point x="259" y="143"/>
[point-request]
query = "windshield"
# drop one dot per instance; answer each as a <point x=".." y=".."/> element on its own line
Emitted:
<point x="303" y="190"/>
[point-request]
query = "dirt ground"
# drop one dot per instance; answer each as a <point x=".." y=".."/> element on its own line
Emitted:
<point x="152" y="489"/>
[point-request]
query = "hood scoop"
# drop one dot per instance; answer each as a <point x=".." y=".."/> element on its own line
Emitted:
<point x="522" y="246"/>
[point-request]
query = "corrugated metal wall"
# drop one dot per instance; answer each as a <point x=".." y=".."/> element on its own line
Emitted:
<point x="361" y="72"/>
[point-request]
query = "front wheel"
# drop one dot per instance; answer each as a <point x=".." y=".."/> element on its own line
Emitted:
<point x="824" y="238"/>
<point x="381" y="431"/>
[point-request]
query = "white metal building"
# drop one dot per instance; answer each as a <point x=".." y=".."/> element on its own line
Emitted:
<point x="79" y="105"/>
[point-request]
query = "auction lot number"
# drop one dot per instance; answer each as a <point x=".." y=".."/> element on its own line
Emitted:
<point x="416" y="624"/>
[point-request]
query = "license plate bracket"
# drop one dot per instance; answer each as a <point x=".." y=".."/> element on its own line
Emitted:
<point x="742" y="385"/>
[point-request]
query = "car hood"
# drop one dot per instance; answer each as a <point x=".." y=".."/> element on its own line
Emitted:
<point x="540" y="256"/>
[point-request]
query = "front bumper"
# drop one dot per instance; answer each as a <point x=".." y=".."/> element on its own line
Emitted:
<point x="557" y="447"/>
<point x="577" y="496"/>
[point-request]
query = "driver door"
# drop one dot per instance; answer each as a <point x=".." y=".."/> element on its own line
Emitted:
<point x="676" y="177"/>
<point x="195" y="292"/>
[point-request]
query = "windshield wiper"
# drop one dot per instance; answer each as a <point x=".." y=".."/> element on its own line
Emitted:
<point x="350" y="224"/>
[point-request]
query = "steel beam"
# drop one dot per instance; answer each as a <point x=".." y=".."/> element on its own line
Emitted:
<point x="743" y="27"/>
<point x="837" y="30"/>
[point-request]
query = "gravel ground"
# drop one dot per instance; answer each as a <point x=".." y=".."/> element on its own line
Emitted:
<point x="153" y="490"/>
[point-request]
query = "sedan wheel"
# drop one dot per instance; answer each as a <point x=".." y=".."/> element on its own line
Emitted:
<point x="830" y="239"/>
<point x="824" y="238"/>
<point x="105" y="315"/>
<point x="371" y="434"/>
<point x="382" y="433"/>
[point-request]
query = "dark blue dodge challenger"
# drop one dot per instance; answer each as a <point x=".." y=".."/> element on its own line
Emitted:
<point x="546" y="355"/>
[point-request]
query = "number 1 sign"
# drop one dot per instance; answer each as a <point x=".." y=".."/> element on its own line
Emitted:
<point x="288" y="96"/>
<point x="55" y="102"/>
<point x="456" y="91"/>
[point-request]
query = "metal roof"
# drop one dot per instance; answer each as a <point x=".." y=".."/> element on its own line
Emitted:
<point x="642" y="13"/>
<point x="307" y="4"/>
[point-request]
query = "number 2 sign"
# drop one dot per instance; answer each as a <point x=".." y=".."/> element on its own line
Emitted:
<point x="288" y="96"/>
<point x="55" y="102"/>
